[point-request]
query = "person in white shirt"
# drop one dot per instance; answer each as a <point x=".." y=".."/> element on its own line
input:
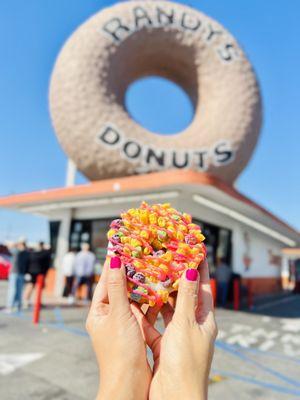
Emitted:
<point x="84" y="270"/>
<point x="68" y="267"/>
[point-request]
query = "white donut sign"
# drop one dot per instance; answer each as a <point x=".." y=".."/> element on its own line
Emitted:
<point x="135" y="39"/>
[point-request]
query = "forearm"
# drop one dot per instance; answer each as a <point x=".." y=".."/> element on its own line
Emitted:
<point x="121" y="392"/>
<point x="185" y="386"/>
<point x="183" y="395"/>
<point x="122" y="387"/>
<point x="186" y="393"/>
<point x="199" y="392"/>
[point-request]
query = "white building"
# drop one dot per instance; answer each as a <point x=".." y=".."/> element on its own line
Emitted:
<point x="236" y="228"/>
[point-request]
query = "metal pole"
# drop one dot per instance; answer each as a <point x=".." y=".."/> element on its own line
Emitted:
<point x="38" y="300"/>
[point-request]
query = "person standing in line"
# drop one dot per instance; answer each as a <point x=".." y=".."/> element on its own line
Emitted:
<point x="39" y="263"/>
<point x="84" y="270"/>
<point x="223" y="275"/>
<point x="19" y="267"/>
<point x="68" y="267"/>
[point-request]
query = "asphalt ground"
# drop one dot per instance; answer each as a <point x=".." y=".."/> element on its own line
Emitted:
<point x="257" y="353"/>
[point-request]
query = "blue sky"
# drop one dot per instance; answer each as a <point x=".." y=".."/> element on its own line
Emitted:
<point x="33" y="31"/>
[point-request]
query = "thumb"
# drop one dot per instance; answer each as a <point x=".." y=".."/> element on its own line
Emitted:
<point x="187" y="298"/>
<point x="116" y="286"/>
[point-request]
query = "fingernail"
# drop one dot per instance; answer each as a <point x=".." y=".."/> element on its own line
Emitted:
<point x="191" y="274"/>
<point x="115" y="263"/>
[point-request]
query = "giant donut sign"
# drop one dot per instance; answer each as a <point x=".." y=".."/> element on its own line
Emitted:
<point x="134" y="39"/>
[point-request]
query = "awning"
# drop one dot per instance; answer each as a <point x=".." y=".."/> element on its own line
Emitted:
<point x="204" y="189"/>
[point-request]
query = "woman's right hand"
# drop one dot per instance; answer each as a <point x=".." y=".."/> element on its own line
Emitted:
<point x="183" y="355"/>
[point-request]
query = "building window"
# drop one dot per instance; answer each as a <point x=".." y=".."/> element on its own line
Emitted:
<point x="218" y="243"/>
<point x="93" y="232"/>
<point x="54" y="231"/>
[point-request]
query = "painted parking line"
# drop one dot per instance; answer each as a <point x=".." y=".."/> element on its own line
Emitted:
<point x="58" y="316"/>
<point x="275" y="303"/>
<point x="229" y="349"/>
<point x="257" y="382"/>
<point x="53" y="325"/>
<point x="11" y="362"/>
<point x="216" y="378"/>
<point x="271" y="354"/>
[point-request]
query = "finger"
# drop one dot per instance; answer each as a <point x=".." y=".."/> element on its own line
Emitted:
<point x="204" y="272"/>
<point x="172" y="300"/>
<point x="167" y="312"/>
<point x="207" y="297"/>
<point x="100" y="293"/>
<point x="206" y="316"/>
<point x="187" y="297"/>
<point x="152" y="314"/>
<point x="151" y="335"/>
<point x="205" y="308"/>
<point x="116" y="286"/>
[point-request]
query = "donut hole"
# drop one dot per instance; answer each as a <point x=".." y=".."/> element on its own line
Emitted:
<point x="158" y="53"/>
<point x="153" y="102"/>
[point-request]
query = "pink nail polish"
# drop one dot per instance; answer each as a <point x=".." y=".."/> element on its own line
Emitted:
<point x="191" y="275"/>
<point x="115" y="263"/>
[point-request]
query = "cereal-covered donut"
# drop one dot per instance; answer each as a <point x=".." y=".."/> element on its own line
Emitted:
<point x="156" y="245"/>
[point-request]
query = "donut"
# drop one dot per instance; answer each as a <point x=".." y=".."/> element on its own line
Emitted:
<point x="156" y="245"/>
<point x="134" y="39"/>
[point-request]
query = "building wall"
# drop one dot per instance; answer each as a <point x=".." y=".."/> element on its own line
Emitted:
<point x="262" y="276"/>
<point x="264" y="253"/>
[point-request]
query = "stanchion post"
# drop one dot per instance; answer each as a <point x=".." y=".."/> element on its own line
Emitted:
<point x="38" y="299"/>
<point x="236" y="294"/>
<point x="213" y="286"/>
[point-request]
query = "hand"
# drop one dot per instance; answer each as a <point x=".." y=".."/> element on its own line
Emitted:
<point x="183" y="355"/>
<point x="117" y="339"/>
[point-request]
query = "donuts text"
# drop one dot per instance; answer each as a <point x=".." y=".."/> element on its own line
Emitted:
<point x="154" y="158"/>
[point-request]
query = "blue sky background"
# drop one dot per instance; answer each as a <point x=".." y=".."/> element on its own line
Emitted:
<point x="33" y="31"/>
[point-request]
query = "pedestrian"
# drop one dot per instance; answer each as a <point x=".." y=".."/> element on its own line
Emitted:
<point x="39" y="263"/>
<point x="68" y="267"/>
<point x="84" y="270"/>
<point x="223" y="275"/>
<point x="19" y="267"/>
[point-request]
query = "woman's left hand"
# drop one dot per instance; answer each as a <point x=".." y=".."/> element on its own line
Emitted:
<point x="117" y="339"/>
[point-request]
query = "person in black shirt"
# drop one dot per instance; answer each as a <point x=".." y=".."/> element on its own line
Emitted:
<point x="39" y="263"/>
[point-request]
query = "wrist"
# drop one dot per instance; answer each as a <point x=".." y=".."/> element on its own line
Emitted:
<point x="185" y="388"/>
<point x="121" y="392"/>
<point x="126" y="385"/>
<point x="118" y="393"/>
<point x="190" y="393"/>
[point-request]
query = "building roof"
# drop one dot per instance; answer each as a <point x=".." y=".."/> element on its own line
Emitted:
<point x="225" y="196"/>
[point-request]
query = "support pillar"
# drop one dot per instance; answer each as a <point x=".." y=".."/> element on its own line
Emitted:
<point x="71" y="173"/>
<point x="62" y="249"/>
<point x="285" y="273"/>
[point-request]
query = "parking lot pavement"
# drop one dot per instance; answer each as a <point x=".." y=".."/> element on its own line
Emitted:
<point x="257" y="354"/>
